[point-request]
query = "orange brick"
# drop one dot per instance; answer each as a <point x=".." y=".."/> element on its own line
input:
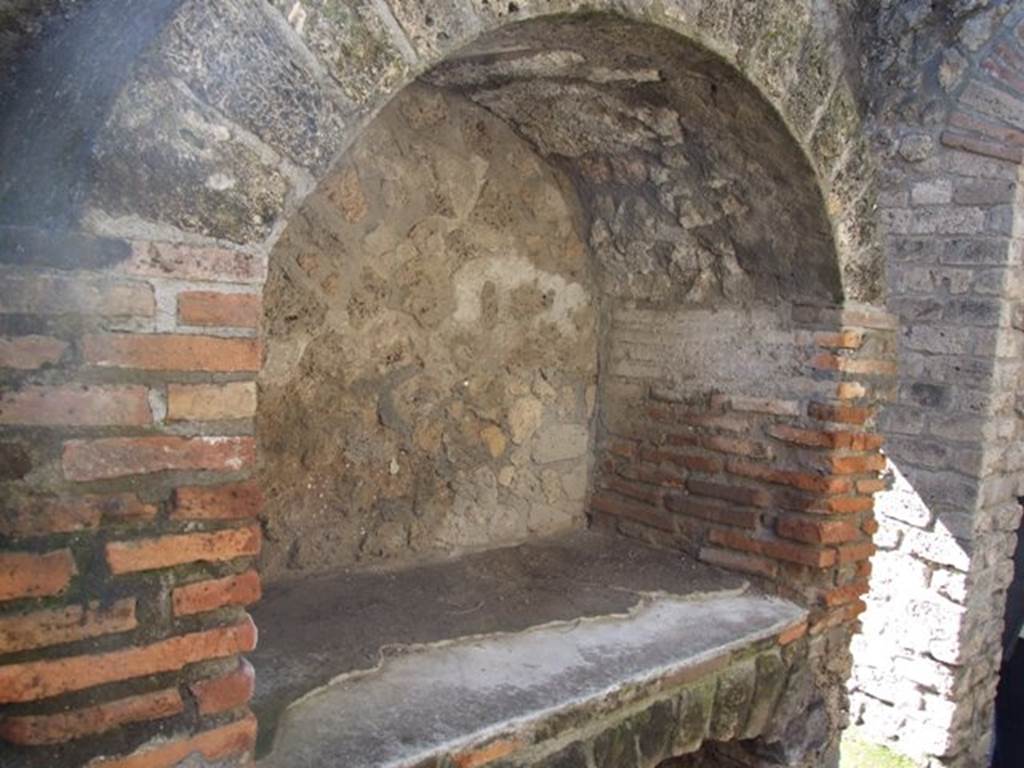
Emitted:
<point x="220" y="743"/>
<point x="857" y="465"/>
<point x="28" y="574"/>
<point x="653" y="475"/>
<point x="611" y="504"/>
<point x="76" y="405"/>
<point x="823" y="505"/>
<point x="816" y="531"/>
<point x="28" y="353"/>
<point x="845" y="594"/>
<point x="177" y="549"/>
<point x="802" y="480"/>
<point x="39" y="517"/>
<point x="75" y="295"/>
<point x="844" y="505"/>
<point x="848" y="338"/>
<point x="54" y="626"/>
<point x="736" y="446"/>
<point x="185" y="262"/>
<point x="32" y="680"/>
<point x="111" y="457"/>
<point x="829" y="620"/>
<point x="738" y="494"/>
<point x="220" y="694"/>
<point x="852" y="553"/>
<point x="777" y="550"/>
<point x="843" y="614"/>
<point x="237" y="310"/>
<point x="854" y="609"/>
<point x="793" y="634"/>
<point x="739" y="561"/>
<point x="481" y="756"/>
<point x="870" y="526"/>
<point x="714" y="512"/>
<point x="202" y="596"/>
<point x="35" y="730"/>
<point x="810" y="438"/>
<point x="845" y="414"/>
<point x="211" y="402"/>
<point x="871" y="485"/>
<point x="640" y="491"/>
<point x="172" y="352"/>
<point x="217" y="502"/>
<point x="707" y="464"/>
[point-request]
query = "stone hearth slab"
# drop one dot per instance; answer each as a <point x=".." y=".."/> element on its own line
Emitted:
<point x="398" y="666"/>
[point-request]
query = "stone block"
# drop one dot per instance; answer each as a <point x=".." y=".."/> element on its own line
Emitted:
<point x="696" y="706"/>
<point x="572" y="756"/>
<point x="736" y="687"/>
<point x="243" y="60"/>
<point x="655" y="730"/>
<point x="353" y="42"/>
<point x="771" y="680"/>
<point x="213" y="182"/>
<point x="435" y="27"/>
<point x="616" y="748"/>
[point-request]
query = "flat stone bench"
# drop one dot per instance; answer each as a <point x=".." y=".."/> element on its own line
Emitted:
<point x="533" y="655"/>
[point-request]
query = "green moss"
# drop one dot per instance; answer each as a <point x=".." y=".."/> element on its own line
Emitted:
<point x="857" y="752"/>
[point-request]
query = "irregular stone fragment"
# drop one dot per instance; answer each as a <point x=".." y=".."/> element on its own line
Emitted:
<point x="696" y="705"/>
<point x="736" y="686"/>
<point x="561" y="442"/>
<point x="771" y="679"/>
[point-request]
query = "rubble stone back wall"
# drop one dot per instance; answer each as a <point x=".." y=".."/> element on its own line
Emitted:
<point x="431" y="347"/>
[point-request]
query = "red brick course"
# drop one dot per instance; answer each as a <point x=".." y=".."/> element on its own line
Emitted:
<point x="32" y="730"/>
<point x="27" y="574"/>
<point x="76" y="405"/>
<point x="217" y="502"/>
<point x="217" y="744"/>
<point x="779" y="550"/>
<point x="121" y="456"/>
<point x="54" y="626"/>
<point x="177" y="549"/>
<point x="240" y="310"/>
<point x="32" y="680"/>
<point x="38" y="517"/>
<point x="172" y="352"/>
<point x="220" y="694"/>
<point x="202" y="596"/>
<point x="30" y="352"/>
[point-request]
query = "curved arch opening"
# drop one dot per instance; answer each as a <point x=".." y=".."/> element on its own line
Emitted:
<point x="566" y="195"/>
<point x="550" y="286"/>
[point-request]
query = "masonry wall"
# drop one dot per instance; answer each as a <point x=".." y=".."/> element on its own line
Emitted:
<point x="176" y="141"/>
<point x="949" y="111"/>
<point x="128" y="515"/>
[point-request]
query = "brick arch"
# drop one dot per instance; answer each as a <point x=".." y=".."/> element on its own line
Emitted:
<point x="144" y="207"/>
